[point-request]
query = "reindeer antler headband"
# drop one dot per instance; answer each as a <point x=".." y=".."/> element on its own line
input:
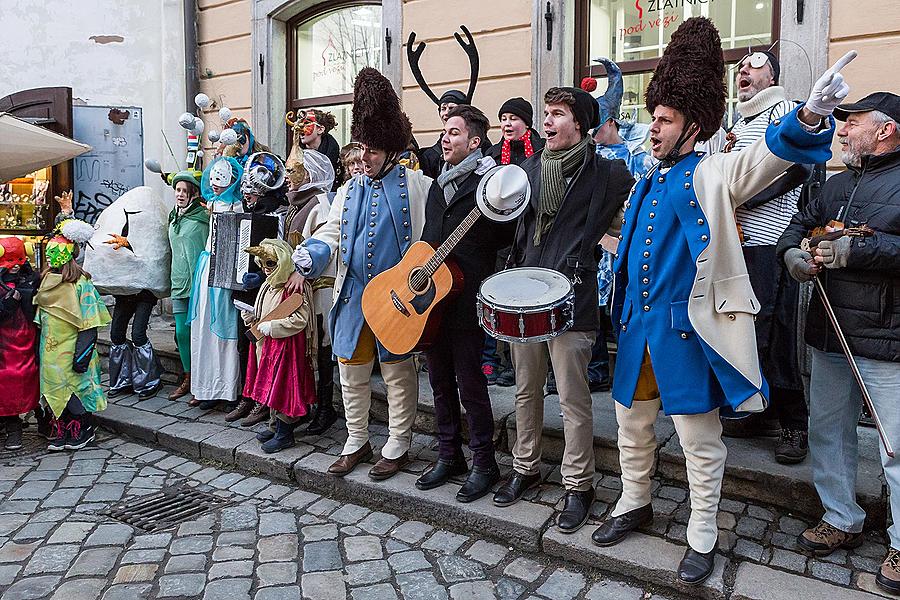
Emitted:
<point x="414" y="54"/>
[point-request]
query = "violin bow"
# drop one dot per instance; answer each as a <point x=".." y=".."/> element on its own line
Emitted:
<point x="867" y="400"/>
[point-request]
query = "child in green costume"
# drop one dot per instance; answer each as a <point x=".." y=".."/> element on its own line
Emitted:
<point x="69" y="312"/>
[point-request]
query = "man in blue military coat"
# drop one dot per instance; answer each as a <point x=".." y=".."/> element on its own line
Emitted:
<point x="374" y="219"/>
<point x="686" y="339"/>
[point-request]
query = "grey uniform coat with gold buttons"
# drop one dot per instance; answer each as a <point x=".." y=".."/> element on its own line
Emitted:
<point x="682" y="289"/>
<point x="371" y="225"/>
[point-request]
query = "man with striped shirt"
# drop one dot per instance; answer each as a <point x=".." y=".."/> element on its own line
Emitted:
<point x="762" y="220"/>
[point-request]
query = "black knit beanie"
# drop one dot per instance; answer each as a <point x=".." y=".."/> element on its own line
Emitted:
<point x="454" y="96"/>
<point x="520" y="107"/>
<point x="586" y="110"/>
<point x="776" y="66"/>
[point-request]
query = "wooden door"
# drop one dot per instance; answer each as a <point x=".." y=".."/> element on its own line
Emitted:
<point x="49" y="107"/>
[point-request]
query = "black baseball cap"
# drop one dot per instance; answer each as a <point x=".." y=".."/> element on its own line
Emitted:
<point x="885" y="102"/>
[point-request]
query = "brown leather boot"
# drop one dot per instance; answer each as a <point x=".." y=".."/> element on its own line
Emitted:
<point x="388" y="467"/>
<point x="346" y="463"/>
<point x="243" y="409"/>
<point x="259" y="414"/>
<point x="183" y="389"/>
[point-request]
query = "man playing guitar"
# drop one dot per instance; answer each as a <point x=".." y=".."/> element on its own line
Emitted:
<point x="454" y="360"/>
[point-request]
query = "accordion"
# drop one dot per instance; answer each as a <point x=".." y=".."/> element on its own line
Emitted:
<point x="232" y="234"/>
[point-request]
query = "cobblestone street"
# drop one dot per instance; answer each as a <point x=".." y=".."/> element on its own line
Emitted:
<point x="270" y="541"/>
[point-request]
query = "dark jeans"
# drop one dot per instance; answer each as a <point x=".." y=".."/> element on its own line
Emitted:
<point x="454" y="370"/>
<point x="598" y="368"/>
<point x="489" y="354"/>
<point x="136" y="306"/>
<point x="776" y="336"/>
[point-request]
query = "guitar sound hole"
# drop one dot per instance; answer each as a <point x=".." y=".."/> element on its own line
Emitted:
<point x="419" y="281"/>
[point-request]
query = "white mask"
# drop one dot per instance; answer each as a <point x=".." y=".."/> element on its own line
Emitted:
<point x="220" y="175"/>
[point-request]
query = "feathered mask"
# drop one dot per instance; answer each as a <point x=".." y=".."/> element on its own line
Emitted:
<point x="61" y="247"/>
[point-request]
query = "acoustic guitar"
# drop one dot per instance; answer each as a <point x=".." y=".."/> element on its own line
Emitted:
<point x="402" y="305"/>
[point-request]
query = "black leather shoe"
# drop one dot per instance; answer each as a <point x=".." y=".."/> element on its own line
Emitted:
<point x="441" y="472"/>
<point x="515" y="487"/>
<point x="576" y="510"/>
<point x="478" y="483"/>
<point x="614" y="529"/>
<point x="696" y="567"/>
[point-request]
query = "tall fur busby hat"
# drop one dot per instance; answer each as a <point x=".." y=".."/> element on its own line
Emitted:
<point x="378" y="121"/>
<point x="690" y="76"/>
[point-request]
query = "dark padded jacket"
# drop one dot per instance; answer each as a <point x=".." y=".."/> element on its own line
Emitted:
<point x="865" y="294"/>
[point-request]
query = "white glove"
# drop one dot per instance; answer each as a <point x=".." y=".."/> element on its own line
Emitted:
<point x="302" y="259"/>
<point x="265" y="328"/>
<point x="830" y="89"/>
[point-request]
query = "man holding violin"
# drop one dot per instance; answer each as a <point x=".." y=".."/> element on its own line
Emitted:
<point x="861" y="276"/>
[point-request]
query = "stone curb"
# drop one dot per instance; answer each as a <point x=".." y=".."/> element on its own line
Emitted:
<point x="527" y="527"/>
<point x="138" y="424"/>
<point x="639" y="556"/>
<point x="756" y="582"/>
<point x="520" y="527"/>
<point x="750" y="472"/>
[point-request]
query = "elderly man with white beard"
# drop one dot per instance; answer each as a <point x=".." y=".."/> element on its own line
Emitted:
<point x="861" y="278"/>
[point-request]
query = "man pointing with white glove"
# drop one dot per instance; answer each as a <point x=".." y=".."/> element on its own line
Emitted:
<point x="684" y="304"/>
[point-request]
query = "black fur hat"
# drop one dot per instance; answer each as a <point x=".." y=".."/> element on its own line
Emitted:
<point x="378" y="121"/>
<point x="690" y="76"/>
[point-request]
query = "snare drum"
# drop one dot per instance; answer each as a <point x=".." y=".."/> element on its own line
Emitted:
<point x="527" y="304"/>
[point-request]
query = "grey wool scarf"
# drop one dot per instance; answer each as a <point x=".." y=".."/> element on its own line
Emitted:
<point x="450" y="177"/>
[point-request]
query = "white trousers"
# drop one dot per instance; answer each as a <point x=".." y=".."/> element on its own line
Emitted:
<point x="215" y="362"/>
<point x="402" y="383"/>
<point x="701" y="439"/>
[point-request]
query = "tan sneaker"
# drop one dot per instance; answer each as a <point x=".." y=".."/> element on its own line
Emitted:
<point x="823" y="539"/>
<point x="888" y="578"/>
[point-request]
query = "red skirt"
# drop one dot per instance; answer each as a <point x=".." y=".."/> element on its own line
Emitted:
<point x="283" y="379"/>
<point x="18" y="366"/>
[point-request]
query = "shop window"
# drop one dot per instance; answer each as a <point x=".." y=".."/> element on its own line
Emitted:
<point x="634" y="34"/>
<point x="24" y="203"/>
<point x="326" y="49"/>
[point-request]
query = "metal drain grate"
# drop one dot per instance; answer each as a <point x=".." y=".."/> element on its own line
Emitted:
<point x="164" y="509"/>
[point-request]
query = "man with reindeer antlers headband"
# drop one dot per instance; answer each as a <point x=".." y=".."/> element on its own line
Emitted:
<point x="431" y="159"/>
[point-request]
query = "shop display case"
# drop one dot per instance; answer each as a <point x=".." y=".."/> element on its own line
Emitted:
<point x="24" y="204"/>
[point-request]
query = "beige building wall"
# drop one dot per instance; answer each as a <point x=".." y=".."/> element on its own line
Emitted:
<point x="871" y="27"/>
<point x="502" y="32"/>
<point x="501" y="28"/>
<point x="223" y="36"/>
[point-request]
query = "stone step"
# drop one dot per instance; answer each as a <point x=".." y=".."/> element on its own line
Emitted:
<point x="756" y="582"/>
<point x="650" y="555"/>
<point x="640" y="556"/>
<point x="520" y="526"/>
<point x="750" y="471"/>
